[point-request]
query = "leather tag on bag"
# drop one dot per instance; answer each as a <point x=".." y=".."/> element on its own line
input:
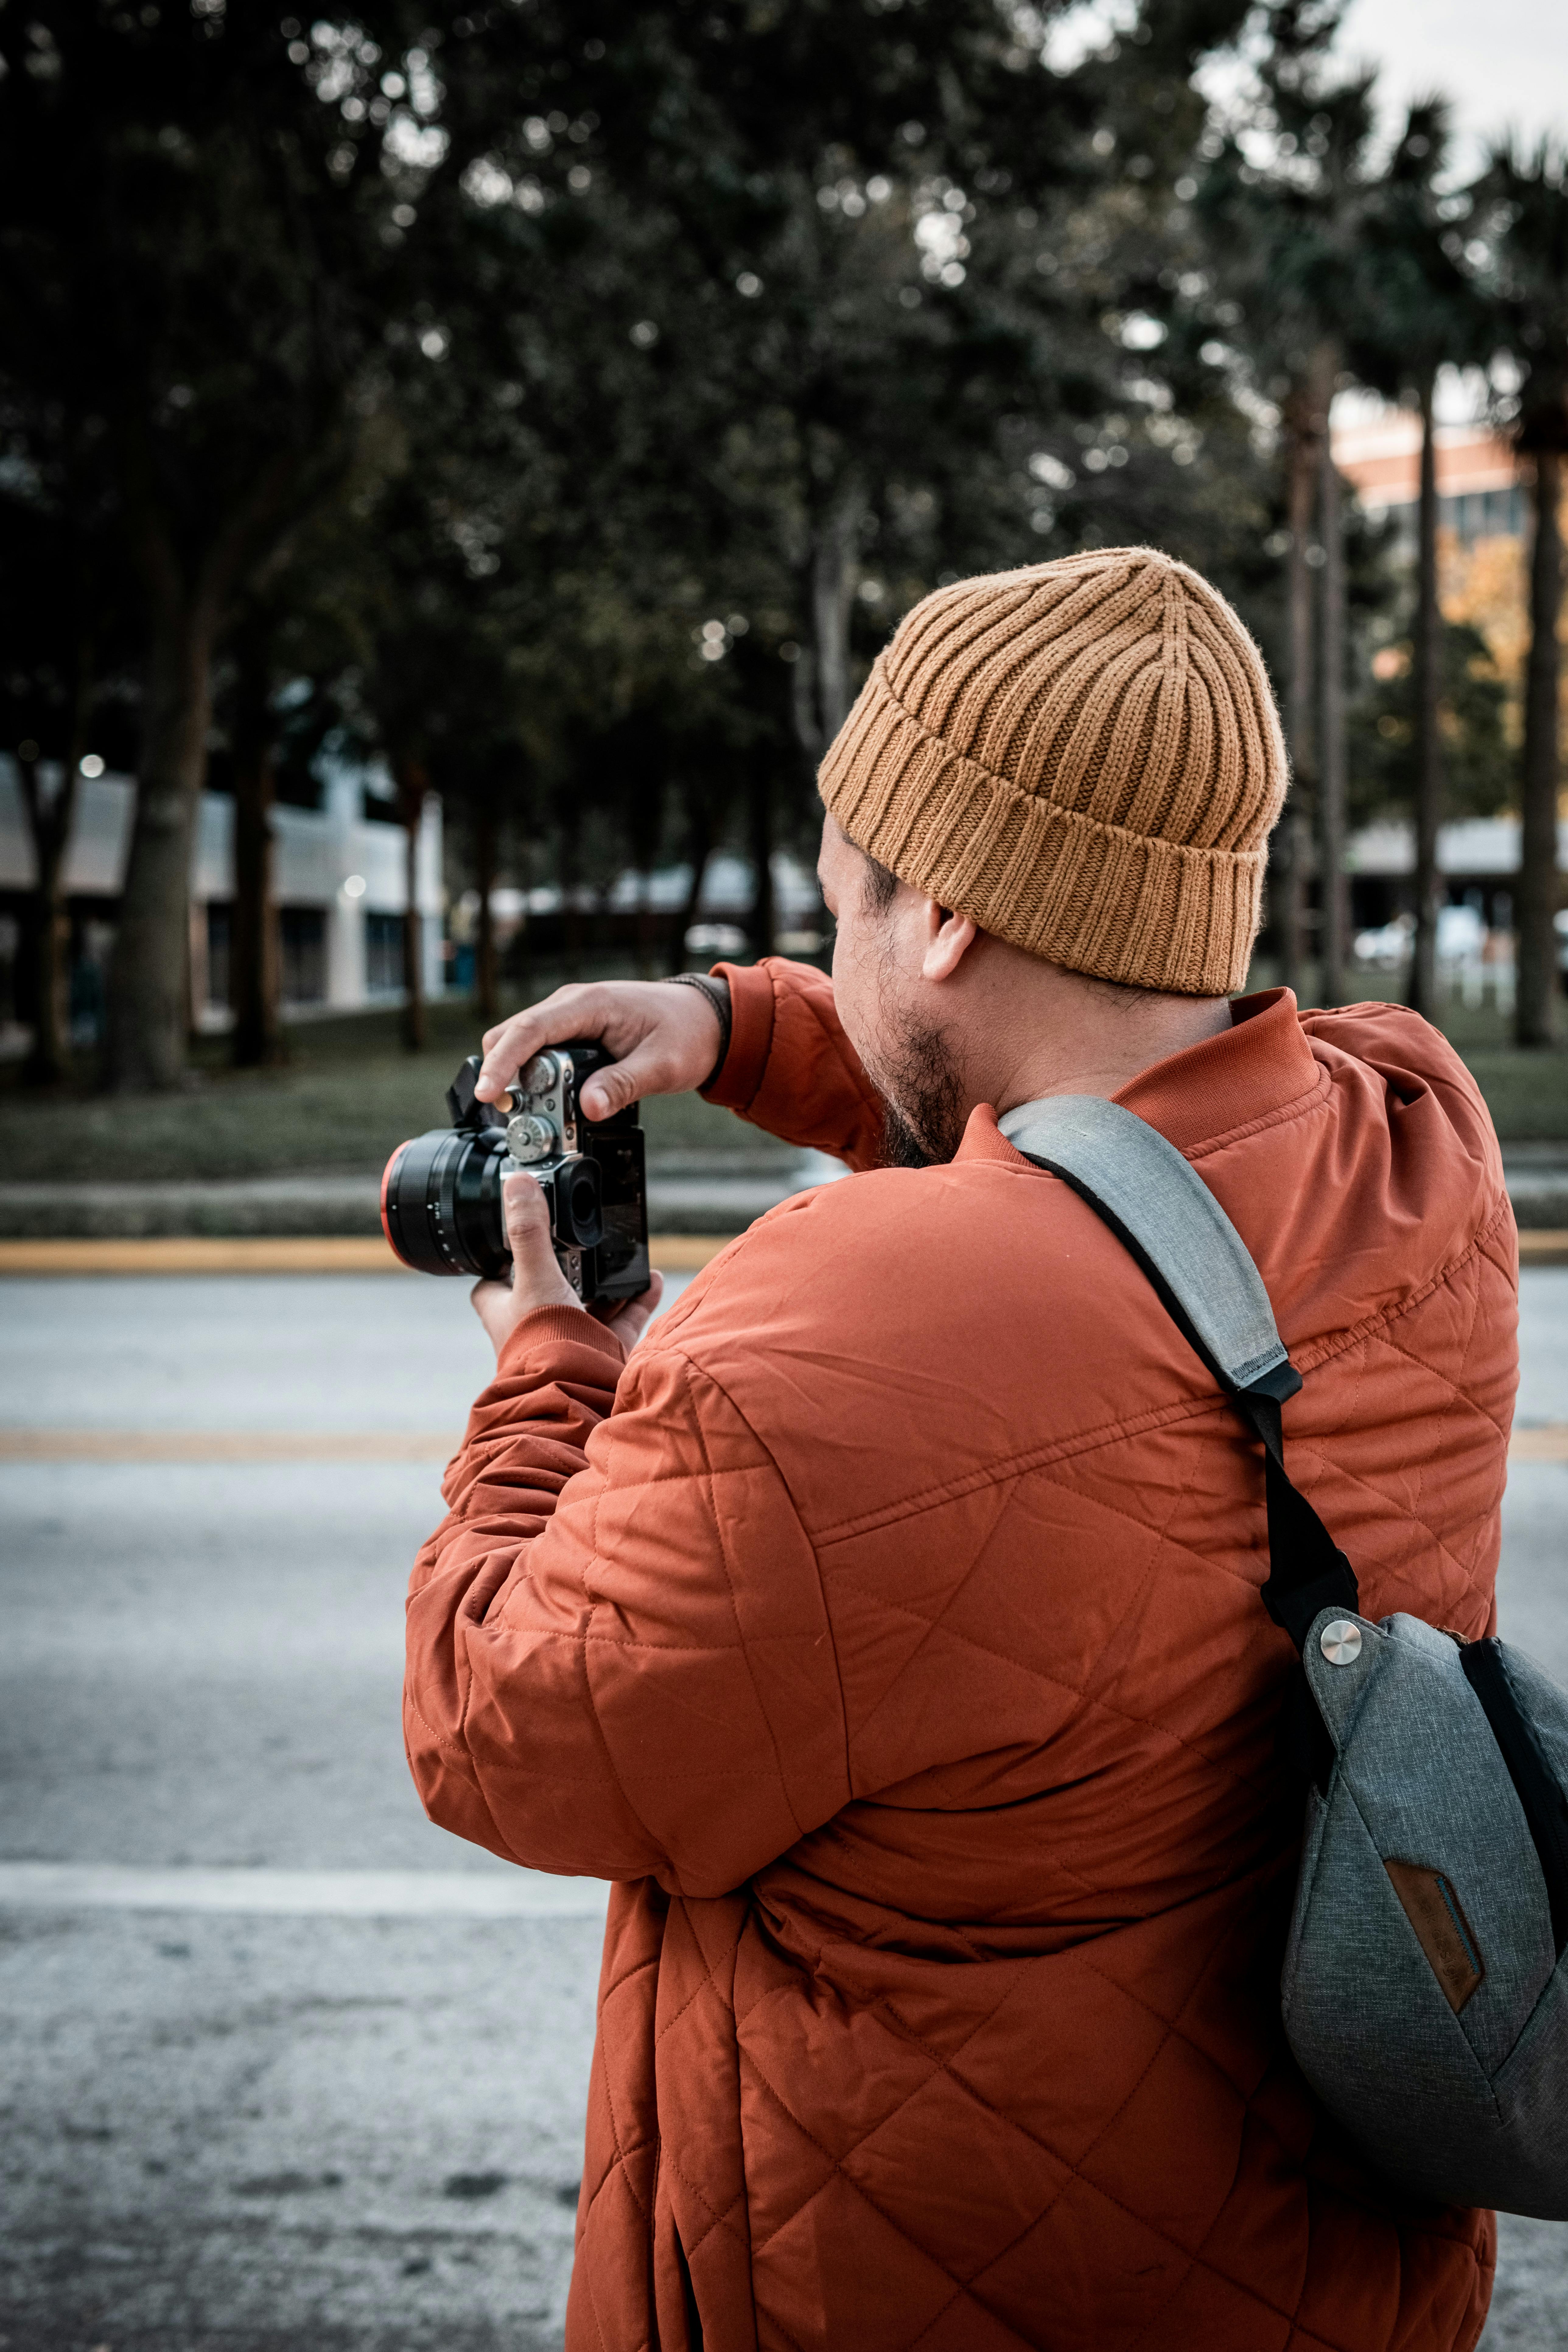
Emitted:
<point x="1441" y="1928"/>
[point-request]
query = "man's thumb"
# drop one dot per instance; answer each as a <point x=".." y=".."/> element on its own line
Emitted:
<point x="527" y="1213"/>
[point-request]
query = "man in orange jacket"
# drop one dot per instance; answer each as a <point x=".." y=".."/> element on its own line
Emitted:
<point x="887" y="1625"/>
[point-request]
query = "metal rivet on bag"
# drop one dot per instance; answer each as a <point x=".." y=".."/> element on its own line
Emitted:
<point x="1340" y="1641"/>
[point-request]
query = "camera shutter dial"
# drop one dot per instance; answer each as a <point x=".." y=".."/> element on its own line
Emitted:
<point x="539" y="1078"/>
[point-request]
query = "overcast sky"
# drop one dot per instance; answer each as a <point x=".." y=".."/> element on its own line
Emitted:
<point x="1503" y="62"/>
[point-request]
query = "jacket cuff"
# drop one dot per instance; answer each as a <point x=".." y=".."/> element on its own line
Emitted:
<point x="734" y="1085"/>
<point x="546" y="1333"/>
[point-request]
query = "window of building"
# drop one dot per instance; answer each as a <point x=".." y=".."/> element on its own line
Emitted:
<point x="302" y="938"/>
<point x="382" y="953"/>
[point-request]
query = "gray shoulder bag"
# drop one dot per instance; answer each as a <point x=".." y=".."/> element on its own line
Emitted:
<point x="1425" y="1991"/>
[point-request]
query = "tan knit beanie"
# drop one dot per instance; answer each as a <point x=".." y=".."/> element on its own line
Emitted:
<point x="1085" y="756"/>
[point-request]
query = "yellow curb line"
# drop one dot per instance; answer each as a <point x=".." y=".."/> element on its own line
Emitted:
<point x="366" y="1255"/>
<point x="348" y="1253"/>
<point x="355" y="1254"/>
<point x="1547" y="1445"/>
<point x="225" y="1445"/>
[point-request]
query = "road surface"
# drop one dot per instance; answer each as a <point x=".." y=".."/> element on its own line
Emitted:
<point x="288" y="2067"/>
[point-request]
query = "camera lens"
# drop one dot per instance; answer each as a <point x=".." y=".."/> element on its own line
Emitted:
<point x="441" y="1204"/>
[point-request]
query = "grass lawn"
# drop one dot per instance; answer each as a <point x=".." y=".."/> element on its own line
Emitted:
<point x="349" y="1096"/>
<point x="346" y="1098"/>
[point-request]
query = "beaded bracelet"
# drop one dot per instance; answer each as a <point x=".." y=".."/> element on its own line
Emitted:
<point x="717" y="996"/>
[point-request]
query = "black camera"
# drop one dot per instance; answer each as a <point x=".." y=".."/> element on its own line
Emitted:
<point x="441" y="1196"/>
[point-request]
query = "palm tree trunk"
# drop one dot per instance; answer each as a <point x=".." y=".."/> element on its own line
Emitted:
<point x="1429" y="732"/>
<point x="1536" y="1003"/>
<point x="1331" y="741"/>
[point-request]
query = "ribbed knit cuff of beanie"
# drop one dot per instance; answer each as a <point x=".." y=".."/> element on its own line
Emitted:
<point x="1084" y="756"/>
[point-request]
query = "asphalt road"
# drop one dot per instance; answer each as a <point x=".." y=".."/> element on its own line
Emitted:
<point x="246" y="2111"/>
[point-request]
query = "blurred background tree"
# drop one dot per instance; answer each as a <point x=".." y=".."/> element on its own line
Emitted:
<point x="1418" y="311"/>
<point x="557" y="418"/>
<point x="1524" y="201"/>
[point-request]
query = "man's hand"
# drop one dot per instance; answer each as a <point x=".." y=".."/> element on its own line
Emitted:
<point x="536" y="1277"/>
<point x="665" y="1040"/>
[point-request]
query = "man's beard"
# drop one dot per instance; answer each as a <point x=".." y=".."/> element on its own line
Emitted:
<point x="923" y="1124"/>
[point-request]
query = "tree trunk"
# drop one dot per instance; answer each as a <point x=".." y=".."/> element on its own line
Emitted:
<point x="148" y="1008"/>
<point x="49" y="822"/>
<point x="700" y="852"/>
<point x="1335" y="894"/>
<point x="1306" y="421"/>
<point x="486" y="993"/>
<point x="1290" y="890"/>
<point x="254" y="978"/>
<point x="833" y="570"/>
<point x="761" y="813"/>
<point x="411" y="782"/>
<point x="1428" y="731"/>
<point x="1535" y="1021"/>
<point x="570" y="851"/>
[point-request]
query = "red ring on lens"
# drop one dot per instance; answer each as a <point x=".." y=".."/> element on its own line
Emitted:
<point x="387" y="1176"/>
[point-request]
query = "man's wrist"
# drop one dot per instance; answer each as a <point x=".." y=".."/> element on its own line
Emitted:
<point x="717" y="992"/>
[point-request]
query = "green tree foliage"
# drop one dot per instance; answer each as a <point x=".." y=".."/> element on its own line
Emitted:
<point x="562" y="411"/>
<point x="1415" y="309"/>
<point x="194" y="271"/>
<point x="1284" y="204"/>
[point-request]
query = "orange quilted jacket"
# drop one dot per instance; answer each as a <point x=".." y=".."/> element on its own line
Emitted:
<point x="887" y="1628"/>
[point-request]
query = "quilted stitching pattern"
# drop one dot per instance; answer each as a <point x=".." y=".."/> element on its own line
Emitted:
<point x="986" y="2053"/>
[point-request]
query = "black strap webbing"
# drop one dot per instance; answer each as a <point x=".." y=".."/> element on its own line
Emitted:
<point x="1308" y="1571"/>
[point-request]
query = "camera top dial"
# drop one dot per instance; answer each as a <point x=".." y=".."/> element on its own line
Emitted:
<point x="545" y="1121"/>
<point x="530" y="1138"/>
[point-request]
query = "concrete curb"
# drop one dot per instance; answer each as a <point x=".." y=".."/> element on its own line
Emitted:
<point x="318" y="1207"/>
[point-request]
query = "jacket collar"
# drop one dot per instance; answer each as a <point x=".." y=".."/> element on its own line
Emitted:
<point x="1243" y="1078"/>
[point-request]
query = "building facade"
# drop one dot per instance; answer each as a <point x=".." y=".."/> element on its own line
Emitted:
<point x="339" y="890"/>
<point x="1480" y="495"/>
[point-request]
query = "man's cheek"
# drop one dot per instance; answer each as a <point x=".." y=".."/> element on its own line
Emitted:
<point x="854" y="999"/>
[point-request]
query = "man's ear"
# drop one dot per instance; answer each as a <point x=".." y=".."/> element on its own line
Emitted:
<point x="949" y="937"/>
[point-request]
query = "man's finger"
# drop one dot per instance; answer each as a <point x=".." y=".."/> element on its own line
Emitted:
<point x="644" y="1071"/>
<point x="577" y="1012"/>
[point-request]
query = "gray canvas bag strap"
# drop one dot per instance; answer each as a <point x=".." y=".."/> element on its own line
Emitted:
<point x="1164" y="1214"/>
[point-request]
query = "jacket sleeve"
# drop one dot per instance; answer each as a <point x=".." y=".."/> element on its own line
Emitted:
<point x="790" y="1068"/>
<point x="620" y="1665"/>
